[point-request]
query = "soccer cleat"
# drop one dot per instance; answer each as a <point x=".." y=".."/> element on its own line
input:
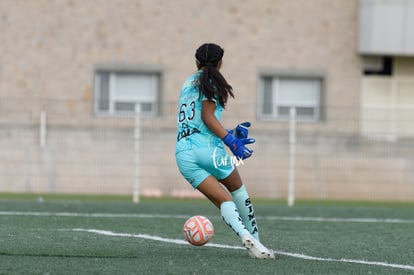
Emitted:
<point x="256" y="249"/>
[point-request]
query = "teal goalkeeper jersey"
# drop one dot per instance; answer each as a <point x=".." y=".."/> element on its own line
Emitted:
<point x="192" y="132"/>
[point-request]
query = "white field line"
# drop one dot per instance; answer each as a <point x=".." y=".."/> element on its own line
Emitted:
<point x="182" y="242"/>
<point x="164" y="216"/>
<point x="89" y="215"/>
<point x="294" y="255"/>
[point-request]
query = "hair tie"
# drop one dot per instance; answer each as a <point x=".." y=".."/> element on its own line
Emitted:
<point x="206" y="57"/>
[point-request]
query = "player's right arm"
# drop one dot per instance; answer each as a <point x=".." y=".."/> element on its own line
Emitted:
<point x="236" y="145"/>
<point x="210" y="120"/>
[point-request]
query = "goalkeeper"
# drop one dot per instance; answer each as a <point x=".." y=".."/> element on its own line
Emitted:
<point x="200" y="152"/>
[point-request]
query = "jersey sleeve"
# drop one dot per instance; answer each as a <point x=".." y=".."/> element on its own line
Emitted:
<point x="214" y="99"/>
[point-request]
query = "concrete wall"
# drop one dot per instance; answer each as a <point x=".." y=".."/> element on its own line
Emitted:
<point x="49" y="48"/>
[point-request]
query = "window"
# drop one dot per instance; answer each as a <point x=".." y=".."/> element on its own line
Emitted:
<point x="279" y="93"/>
<point x="387" y="100"/>
<point x="375" y="65"/>
<point x="117" y="91"/>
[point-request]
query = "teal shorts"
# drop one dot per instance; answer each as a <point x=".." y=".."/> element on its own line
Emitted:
<point x="197" y="164"/>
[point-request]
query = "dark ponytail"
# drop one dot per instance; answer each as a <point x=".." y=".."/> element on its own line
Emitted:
<point x="211" y="82"/>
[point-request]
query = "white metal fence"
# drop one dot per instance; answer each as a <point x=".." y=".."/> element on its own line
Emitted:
<point x="61" y="147"/>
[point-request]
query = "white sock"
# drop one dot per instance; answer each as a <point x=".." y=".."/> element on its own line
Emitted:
<point x="231" y="216"/>
<point x="246" y="211"/>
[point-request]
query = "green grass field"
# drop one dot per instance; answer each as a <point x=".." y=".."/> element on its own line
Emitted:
<point x="111" y="235"/>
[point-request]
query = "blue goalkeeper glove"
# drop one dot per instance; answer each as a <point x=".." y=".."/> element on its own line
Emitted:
<point x="237" y="146"/>
<point x="241" y="130"/>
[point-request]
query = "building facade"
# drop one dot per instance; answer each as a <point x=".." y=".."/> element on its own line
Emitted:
<point x="88" y="94"/>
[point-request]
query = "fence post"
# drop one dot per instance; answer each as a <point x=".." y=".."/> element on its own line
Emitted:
<point x="137" y="139"/>
<point x="292" y="148"/>
<point x="42" y="129"/>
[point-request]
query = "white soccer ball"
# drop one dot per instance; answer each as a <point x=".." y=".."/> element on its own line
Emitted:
<point x="198" y="230"/>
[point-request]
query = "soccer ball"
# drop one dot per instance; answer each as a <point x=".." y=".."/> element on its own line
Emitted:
<point x="198" y="230"/>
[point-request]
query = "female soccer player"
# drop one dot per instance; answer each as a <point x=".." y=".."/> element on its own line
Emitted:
<point x="200" y="154"/>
